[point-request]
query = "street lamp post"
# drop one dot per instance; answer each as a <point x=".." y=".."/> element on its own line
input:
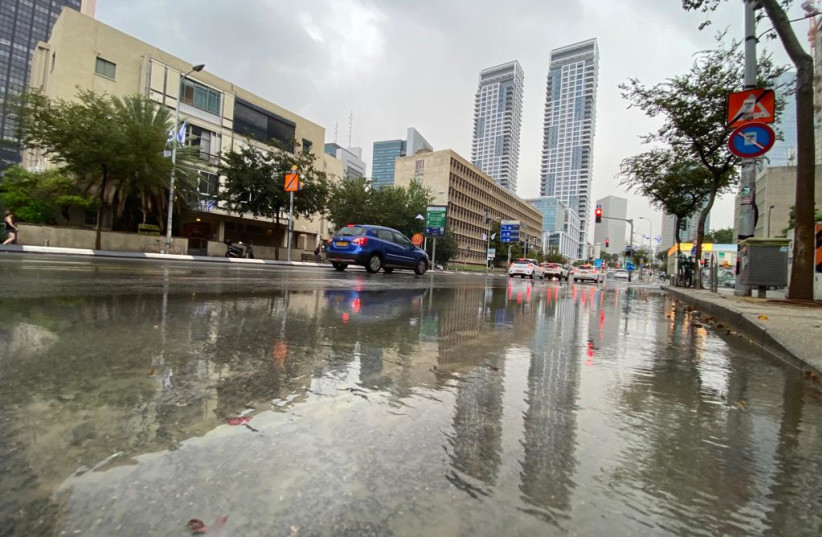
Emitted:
<point x="196" y="68"/>
<point x="768" y="233"/>
<point x="650" y="238"/>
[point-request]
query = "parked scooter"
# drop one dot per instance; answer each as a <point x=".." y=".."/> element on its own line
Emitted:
<point x="237" y="250"/>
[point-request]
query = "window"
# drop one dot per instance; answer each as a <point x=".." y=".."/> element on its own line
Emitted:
<point x="200" y="96"/>
<point x="105" y="68"/>
<point x="207" y="141"/>
<point x="307" y="145"/>
<point x="255" y="122"/>
<point x="208" y="184"/>
<point x="91" y="218"/>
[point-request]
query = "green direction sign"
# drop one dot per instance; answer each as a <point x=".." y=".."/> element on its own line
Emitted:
<point x="435" y="221"/>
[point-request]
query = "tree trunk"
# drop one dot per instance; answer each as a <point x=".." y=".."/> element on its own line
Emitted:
<point x="700" y="234"/>
<point x="801" y="284"/>
<point x="98" y="238"/>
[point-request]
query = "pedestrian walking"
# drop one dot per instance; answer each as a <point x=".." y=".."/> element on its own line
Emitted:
<point x="11" y="228"/>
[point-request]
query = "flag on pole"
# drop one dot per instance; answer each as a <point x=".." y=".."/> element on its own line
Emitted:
<point x="493" y="235"/>
<point x="181" y="135"/>
<point x="170" y="135"/>
<point x="420" y="217"/>
<point x="484" y="236"/>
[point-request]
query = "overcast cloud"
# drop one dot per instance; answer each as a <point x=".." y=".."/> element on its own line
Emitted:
<point x="415" y="63"/>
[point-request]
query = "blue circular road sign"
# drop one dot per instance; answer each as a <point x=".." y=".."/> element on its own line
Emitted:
<point x="751" y="140"/>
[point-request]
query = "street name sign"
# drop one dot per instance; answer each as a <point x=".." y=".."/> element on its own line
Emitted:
<point x="751" y="106"/>
<point x="492" y="253"/>
<point x="435" y="220"/>
<point x="509" y="231"/>
<point x="751" y="140"/>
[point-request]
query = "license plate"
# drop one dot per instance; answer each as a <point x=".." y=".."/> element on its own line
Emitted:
<point x="341" y="244"/>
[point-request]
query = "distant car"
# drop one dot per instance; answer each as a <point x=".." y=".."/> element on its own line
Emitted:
<point x="375" y="248"/>
<point x="620" y="274"/>
<point x="587" y="273"/>
<point x="526" y="267"/>
<point x="555" y="270"/>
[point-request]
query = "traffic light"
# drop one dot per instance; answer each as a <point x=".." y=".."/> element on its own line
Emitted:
<point x="607" y="243"/>
<point x="598" y="214"/>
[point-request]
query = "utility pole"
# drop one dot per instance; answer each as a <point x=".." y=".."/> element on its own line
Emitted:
<point x="747" y="180"/>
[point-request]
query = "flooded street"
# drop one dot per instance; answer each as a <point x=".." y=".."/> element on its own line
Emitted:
<point x="135" y="396"/>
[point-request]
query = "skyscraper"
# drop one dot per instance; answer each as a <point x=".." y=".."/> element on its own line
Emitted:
<point x="569" y="127"/>
<point x="22" y="25"/>
<point x="497" y="120"/>
<point x="387" y="151"/>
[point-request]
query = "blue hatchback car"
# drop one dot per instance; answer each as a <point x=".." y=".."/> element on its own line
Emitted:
<point x="375" y="248"/>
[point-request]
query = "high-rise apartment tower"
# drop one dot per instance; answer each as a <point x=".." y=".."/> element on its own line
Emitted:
<point x="569" y="127"/>
<point x="497" y="120"/>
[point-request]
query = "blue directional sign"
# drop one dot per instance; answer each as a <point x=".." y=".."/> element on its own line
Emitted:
<point x="509" y="231"/>
<point x="751" y="140"/>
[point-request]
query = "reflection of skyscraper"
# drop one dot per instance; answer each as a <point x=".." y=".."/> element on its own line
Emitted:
<point x="550" y="421"/>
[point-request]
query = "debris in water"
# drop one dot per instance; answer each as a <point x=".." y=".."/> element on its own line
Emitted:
<point x="242" y="420"/>
<point x="198" y="526"/>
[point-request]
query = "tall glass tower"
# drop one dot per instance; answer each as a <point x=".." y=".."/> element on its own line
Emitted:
<point x="568" y="129"/>
<point x="23" y="23"/>
<point x="497" y="120"/>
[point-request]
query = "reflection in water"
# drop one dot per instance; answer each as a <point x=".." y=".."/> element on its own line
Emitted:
<point x="486" y="408"/>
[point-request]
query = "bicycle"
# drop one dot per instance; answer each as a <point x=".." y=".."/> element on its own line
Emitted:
<point x="159" y="247"/>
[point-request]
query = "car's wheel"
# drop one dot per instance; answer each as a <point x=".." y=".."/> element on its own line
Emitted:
<point x="373" y="264"/>
<point x="575" y="280"/>
<point x="421" y="268"/>
<point x="227" y="254"/>
<point x="388" y="270"/>
<point x="510" y="275"/>
<point x="531" y="276"/>
<point x="339" y="266"/>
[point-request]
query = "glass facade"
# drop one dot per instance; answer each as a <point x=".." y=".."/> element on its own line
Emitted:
<point x="23" y="23"/>
<point x="783" y="152"/>
<point x="385" y="155"/>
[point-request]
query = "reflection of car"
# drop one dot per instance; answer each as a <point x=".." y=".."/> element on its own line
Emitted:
<point x="373" y="306"/>
<point x="586" y="272"/>
<point x="375" y="248"/>
<point x="555" y="270"/>
<point x="526" y="267"/>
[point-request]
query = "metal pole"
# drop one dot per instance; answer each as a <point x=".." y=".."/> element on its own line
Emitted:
<point x="747" y="182"/>
<point x="434" y="253"/>
<point x="629" y="259"/>
<point x="487" y="246"/>
<point x="290" y="221"/>
<point x="173" y="165"/>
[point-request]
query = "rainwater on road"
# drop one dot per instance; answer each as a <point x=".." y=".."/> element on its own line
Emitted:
<point x="135" y="396"/>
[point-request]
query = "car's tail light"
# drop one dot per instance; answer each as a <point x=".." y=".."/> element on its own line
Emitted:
<point x="530" y="265"/>
<point x="360" y="241"/>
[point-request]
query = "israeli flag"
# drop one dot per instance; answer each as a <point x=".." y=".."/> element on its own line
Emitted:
<point x="170" y="135"/>
<point x="181" y="135"/>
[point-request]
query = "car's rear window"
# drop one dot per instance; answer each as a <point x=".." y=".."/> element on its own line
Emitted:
<point x="586" y="267"/>
<point x="523" y="262"/>
<point x="354" y="231"/>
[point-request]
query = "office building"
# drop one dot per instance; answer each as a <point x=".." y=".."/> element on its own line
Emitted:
<point x="560" y="226"/>
<point x="84" y="54"/>
<point x="775" y="195"/>
<point x="497" y="120"/>
<point x="23" y="24"/>
<point x="469" y="193"/>
<point x="569" y="125"/>
<point x="353" y="164"/>
<point x="612" y="230"/>
<point x="783" y="152"/>
<point x="687" y="229"/>
<point x="388" y="151"/>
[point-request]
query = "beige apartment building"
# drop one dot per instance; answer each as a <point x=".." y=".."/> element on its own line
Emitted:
<point x="468" y="193"/>
<point x="84" y="53"/>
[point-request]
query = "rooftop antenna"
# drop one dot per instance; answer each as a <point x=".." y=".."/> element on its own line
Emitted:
<point x="350" y="126"/>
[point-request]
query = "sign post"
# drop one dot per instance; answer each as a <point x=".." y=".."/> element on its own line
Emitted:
<point x="292" y="184"/>
<point x="435" y="218"/>
<point x="509" y="232"/>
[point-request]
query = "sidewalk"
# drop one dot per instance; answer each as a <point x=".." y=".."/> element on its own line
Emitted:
<point x="790" y="330"/>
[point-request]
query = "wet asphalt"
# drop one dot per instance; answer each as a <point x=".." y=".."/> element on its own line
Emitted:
<point x="137" y="395"/>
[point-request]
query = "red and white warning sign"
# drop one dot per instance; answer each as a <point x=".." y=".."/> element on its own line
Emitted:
<point x="751" y="106"/>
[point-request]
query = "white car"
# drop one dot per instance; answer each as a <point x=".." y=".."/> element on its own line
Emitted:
<point x="587" y="272"/>
<point x="526" y="267"/>
<point x="555" y="270"/>
<point x="620" y="274"/>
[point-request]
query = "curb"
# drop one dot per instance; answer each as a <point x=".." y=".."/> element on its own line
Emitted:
<point x="756" y="334"/>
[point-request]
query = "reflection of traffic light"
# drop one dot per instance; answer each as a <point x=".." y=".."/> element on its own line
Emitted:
<point x="598" y="214"/>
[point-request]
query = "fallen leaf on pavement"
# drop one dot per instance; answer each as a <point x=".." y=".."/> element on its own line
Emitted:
<point x="238" y="421"/>
<point x="763" y="317"/>
<point x="198" y="526"/>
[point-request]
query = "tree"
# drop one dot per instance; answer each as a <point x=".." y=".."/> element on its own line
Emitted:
<point x="792" y="219"/>
<point x="553" y="256"/>
<point x="356" y="201"/>
<point x="255" y="183"/>
<point x="447" y="248"/>
<point x="801" y="284"/>
<point x="38" y="197"/>
<point x="693" y="109"/>
<point x="673" y="182"/>
<point x="721" y="236"/>
<point x="111" y="147"/>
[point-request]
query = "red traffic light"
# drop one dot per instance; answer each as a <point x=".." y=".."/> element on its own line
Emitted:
<point x="598" y="213"/>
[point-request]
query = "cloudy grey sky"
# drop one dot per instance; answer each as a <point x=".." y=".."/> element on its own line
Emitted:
<point x="402" y="63"/>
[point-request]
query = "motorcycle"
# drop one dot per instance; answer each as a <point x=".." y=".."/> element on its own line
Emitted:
<point x="237" y="250"/>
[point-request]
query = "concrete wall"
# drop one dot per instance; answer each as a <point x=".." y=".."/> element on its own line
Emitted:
<point x="68" y="237"/>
